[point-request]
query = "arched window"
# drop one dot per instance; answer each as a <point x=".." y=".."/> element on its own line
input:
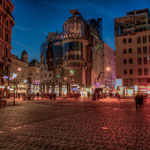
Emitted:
<point x="1" y="2"/>
<point x="7" y="37"/>
<point x="0" y="32"/>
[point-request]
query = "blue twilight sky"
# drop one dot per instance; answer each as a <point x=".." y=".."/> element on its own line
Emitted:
<point x="35" y="18"/>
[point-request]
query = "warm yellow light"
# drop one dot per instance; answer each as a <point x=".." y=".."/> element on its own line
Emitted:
<point x="65" y="78"/>
<point x="19" y="69"/>
<point x="108" y="68"/>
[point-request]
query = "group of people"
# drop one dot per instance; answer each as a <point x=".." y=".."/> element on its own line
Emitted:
<point x="74" y="95"/>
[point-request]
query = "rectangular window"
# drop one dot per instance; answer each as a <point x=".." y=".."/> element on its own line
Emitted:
<point x="124" y="51"/>
<point x="145" y="60"/>
<point x="7" y="23"/>
<point x="144" y="39"/>
<point x="130" y="71"/>
<point x="130" y="40"/>
<point x="149" y="38"/>
<point x="139" y="72"/>
<point x="0" y="32"/>
<point x="124" y="41"/>
<point x="145" y="71"/>
<point x="130" y="82"/>
<point x="138" y="40"/>
<point x="139" y="61"/>
<point x="130" y="50"/>
<point x="124" y="61"/>
<point x="125" y="82"/>
<point x="144" y="50"/>
<point x="139" y="50"/>
<point x="7" y="52"/>
<point x="130" y="61"/>
<point x="125" y="71"/>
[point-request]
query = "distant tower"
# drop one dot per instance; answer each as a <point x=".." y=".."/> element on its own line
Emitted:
<point x="24" y="56"/>
<point x="42" y="59"/>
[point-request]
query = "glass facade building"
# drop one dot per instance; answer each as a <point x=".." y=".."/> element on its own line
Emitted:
<point x="73" y="51"/>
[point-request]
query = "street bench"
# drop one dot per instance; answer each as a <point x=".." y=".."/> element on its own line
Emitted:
<point x="3" y="103"/>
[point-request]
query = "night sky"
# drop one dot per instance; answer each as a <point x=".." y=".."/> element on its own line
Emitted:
<point x="35" y="18"/>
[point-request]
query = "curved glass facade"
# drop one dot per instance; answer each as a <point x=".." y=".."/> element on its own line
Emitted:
<point x="72" y="51"/>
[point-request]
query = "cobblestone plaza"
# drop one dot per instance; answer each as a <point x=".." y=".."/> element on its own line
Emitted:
<point x="75" y="125"/>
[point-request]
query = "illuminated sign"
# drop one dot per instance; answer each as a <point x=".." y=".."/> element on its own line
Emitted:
<point x="136" y="88"/>
<point x="5" y="77"/>
<point x="72" y="72"/>
<point x="118" y="82"/>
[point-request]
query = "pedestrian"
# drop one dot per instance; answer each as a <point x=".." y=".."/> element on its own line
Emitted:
<point x="141" y="98"/>
<point x="37" y="95"/>
<point x="94" y="97"/>
<point x="50" y="96"/>
<point x="88" y="94"/>
<point x="54" y="96"/>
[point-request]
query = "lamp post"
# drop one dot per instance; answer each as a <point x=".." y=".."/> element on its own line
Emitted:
<point x="108" y="70"/>
<point x="14" y="77"/>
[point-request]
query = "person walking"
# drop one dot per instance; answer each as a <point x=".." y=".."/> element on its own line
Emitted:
<point x="137" y="98"/>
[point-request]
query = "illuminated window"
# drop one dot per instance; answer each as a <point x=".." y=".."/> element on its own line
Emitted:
<point x="139" y="50"/>
<point x="138" y="39"/>
<point x="140" y="72"/>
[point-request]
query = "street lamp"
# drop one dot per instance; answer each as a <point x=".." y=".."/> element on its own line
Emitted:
<point x="108" y="69"/>
<point x="19" y="69"/>
<point x="14" y="77"/>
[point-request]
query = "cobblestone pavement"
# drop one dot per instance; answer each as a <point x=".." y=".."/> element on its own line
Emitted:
<point x="75" y="125"/>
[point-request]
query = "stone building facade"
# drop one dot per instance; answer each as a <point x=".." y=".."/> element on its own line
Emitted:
<point x="6" y="24"/>
<point x="34" y="75"/>
<point x="20" y="68"/>
<point x="132" y="41"/>
<point x="75" y="56"/>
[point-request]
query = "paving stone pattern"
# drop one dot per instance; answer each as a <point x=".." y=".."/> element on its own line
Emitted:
<point x="75" y="125"/>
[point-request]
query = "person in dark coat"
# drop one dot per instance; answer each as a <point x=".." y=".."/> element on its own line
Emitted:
<point x="50" y="96"/>
<point x="137" y="98"/>
<point x="54" y="96"/>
